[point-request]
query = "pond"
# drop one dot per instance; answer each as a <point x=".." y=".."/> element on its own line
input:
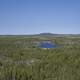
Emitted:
<point x="46" y="45"/>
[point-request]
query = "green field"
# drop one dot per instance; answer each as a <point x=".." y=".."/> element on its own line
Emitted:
<point x="20" y="59"/>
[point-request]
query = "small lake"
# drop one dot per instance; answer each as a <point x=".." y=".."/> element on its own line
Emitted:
<point x="46" y="45"/>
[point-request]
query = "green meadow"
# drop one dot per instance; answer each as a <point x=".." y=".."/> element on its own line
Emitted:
<point x="21" y="59"/>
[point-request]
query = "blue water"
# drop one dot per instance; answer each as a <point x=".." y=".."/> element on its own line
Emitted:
<point x="47" y="45"/>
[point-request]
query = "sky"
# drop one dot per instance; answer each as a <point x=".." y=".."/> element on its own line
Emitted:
<point x="39" y="16"/>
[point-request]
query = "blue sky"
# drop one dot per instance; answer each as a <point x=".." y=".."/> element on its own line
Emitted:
<point x="38" y="16"/>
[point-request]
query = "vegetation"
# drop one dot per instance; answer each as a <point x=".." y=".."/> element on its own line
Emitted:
<point x="20" y="59"/>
